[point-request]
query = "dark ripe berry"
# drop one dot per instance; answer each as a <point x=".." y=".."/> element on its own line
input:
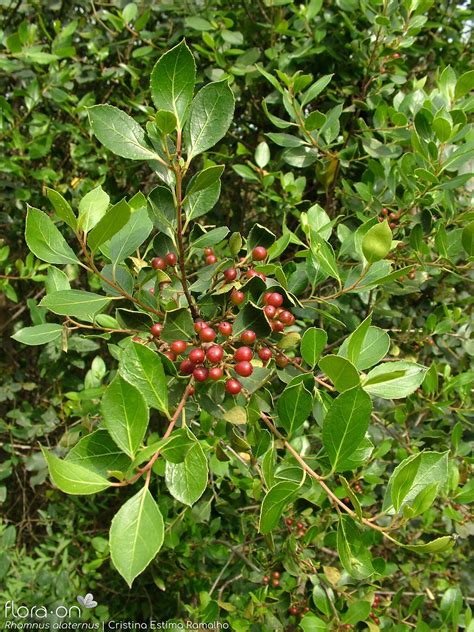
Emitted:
<point x="178" y="346"/>
<point x="208" y="251"/>
<point x="380" y="219"/>
<point x="197" y="355"/>
<point x="248" y="336"/>
<point x="270" y="311"/>
<point x="156" y="330"/>
<point x="285" y="316"/>
<point x="281" y="361"/>
<point x="186" y="367"/>
<point x="299" y="525"/>
<point x="393" y="225"/>
<point x="200" y="374"/>
<point x="293" y="610"/>
<point x="207" y="334"/>
<point x="275" y="299"/>
<point x="233" y="386"/>
<point x="210" y="259"/>
<point x="251" y="273"/>
<point x="275" y="583"/>
<point x="171" y="356"/>
<point x="384" y="211"/>
<point x="265" y="579"/>
<point x="244" y="368"/>
<point x="297" y="360"/>
<point x="276" y="575"/>
<point x="376" y="620"/>
<point x="191" y="390"/>
<point x="215" y="354"/>
<point x="265" y="354"/>
<point x="289" y="522"/>
<point x="266" y="297"/>
<point x="216" y="373"/>
<point x="237" y="297"/>
<point x="411" y="275"/>
<point x="230" y="274"/>
<point x="259" y="253"/>
<point x="158" y="263"/>
<point x="394" y="216"/>
<point x="225" y="329"/>
<point x="243" y="353"/>
<point x="198" y="325"/>
<point x="170" y="258"/>
<point x="276" y="325"/>
<point x="306" y="609"/>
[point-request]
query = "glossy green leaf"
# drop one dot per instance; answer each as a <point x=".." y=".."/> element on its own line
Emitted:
<point x="294" y="407"/>
<point x="438" y="545"/>
<point x="172" y="81"/>
<point x="312" y="345"/>
<point x="38" y="334"/>
<point x="353" y="552"/>
<point x="210" y="115"/>
<point x="178" y="325"/>
<point x="204" y="179"/>
<point x="274" y="503"/>
<point x="92" y="208"/>
<point x="374" y="348"/>
<point x="142" y="367"/>
<point x="166" y="121"/>
<point x="467" y="238"/>
<point x="211" y="238"/>
<point x="357" y="611"/>
<point x="311" y="623"/>
<point x="356" y="340"/>
<point x="125" y="414"/>
<point x="394" y="380"/>
<point x="44" y="239"/>
<point x="75" y="303"/>
<point x="115" y="219"/>
<point x="464" y="84"/>
<point x="98" y="453"/>
<point x="340" y="371"/>
<point x="131" y="236"/>
<point x="136" y="535"/>
<point x="345" y="425"/>
<point x="187" y="481"/>
<point x="377" y="242"/>
<point x="62" y="207"/>
<point x="72" y="478"/>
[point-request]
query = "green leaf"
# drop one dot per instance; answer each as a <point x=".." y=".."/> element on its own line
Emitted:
<point x="166" y="121"/>
<point x="312" y="345"/>
<point x="262" y="155"/>
<point x="125" y="415"/>
<point x="275" y="501"/>
<point x="74" y="479"/>
<point x="323" y="255"/>
<point x="374" y="348"/>
<point x="131" y="236"/>
<point x="120" y="133"/>
<point x="294" y="406"/>
<point x="313" y="91"/>
<point x="438" y="545"/>
<point x="413" y="475"/>
<point x="62" y="207"/>
<point x="77" y="303"/>
<point x="345" y="425"/>
<point x="115" y="219"/>
<point x="38" y="334"/>
<point x="205" y="178"/>
<point x="172" y="81"/>
<point x="136" y="535"/>
<point x="394" y="380"/>
<point x="358" y="611"/>
<point x="92" y="208"/>
<point x="251" y="317"/>
<point x="200" y="203"/>
<point x="178" y="325"/>
<point x="340" y="371"/>
<point x="210" y="116"/>
<point x="311" y="623"/>
<point x="44" y="239"/>
<point x="161" y="210"/>
<point x="187" y="481"/>
<point x="211" y="238"/>
<point x="142" y="367"/>
<point x="464" y="84"/>
<point x="353" y="552"/>
<point x="377" y="242"/>
<point x="98" y="453"/>
<point x="467" y="238"/>
<point x="356" y="340"/>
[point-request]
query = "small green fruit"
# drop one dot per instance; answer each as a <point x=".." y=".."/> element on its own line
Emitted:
<point x="377" y="242"/>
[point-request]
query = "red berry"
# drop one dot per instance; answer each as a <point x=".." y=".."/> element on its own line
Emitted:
<point x="289" y="522"/>
<point x="270" y="311"/>
<point x="248" y="336"/>
<point x="158" y="263"/>
<point x="225" y="329"/>
<point x="197" y="355"/>
<point x="215" y="354"/>
<point x="265" y="354"/>
<point x="299" y="525"/>
<point x="170" y="258"/>
<point x="276" y="575"/>
<point x="393" y="225"/>
<point x="186" y="367"/>
<point x="208" y="251"/>
<point x="191" y="390"/>
<point x="156" y="330"/>
<point x="275" y="583"/>
<point x="281" y="361"/>
<point x="237" y="297"/>
<point x="243" y="354"/>
<point x="171" y="356"/>
<point x="384" y="211"/>
<point x="265" y="579"/>
<point x="207" y="334"/>
<point x="293" y="610"/>
<point x="266" y="297"/>
<point x="306" y="609"/>
<point x="178" y="346"/>
<point x="285" y="316"/>
<point x="233" y="386"/>
<point x="251" y="273"/>
<point x="198" y="325"/>
<point x="216" y="373"/>
<point x="210" y="259"/>
<point x="276" y="325"/>
<point x="200" y="374"/>
<point x="300" y="533"/>
<point x="152" y="290"/>
<point x="297" y="360"/>
<point x="244" y="368"/>
<point x="376" y="620"/>
<point x="259" y="253"/>
<point x="230" y="274"/>
<point x="275" y="299"/>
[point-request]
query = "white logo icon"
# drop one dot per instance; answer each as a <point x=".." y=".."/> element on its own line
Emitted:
<point x="87" y="601"/>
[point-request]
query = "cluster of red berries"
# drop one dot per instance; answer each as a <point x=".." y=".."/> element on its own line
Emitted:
<point x="391" y="216"/>
<point x="209" y="256"/>
<point x="275" y="579"/>
<point x="299" y="526"/>
<point x="161" y="263"/>
<point x="298" y="609"/>
<point x="278" y="316"/>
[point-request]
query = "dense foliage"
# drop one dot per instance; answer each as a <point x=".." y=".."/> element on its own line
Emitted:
<point x="298" y="177"/>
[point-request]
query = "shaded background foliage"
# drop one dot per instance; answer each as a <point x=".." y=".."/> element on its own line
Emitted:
<point x="57" y="59"/>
